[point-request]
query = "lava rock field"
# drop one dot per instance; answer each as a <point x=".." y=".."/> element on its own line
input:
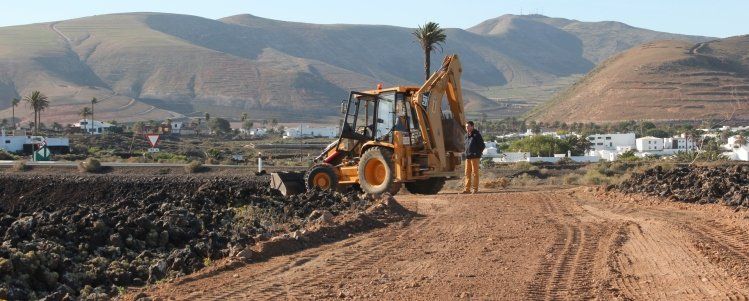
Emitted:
<point x="88" y="237"/>
<point x="727" y="185"/>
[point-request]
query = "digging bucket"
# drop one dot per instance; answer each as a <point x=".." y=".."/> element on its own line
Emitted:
<point x="288" y="183"/>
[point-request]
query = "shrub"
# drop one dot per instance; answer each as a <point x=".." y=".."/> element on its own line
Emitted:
<point x="20" y="166"/>
<point x="565" y="161"/>
<point x="7" y="156"/>
<point x="571" y="179"/>
<point x="501" y="183"/>
<point x="524" y="166"/>
<point x="194" y="167"/>
<point x="89" y="165"/>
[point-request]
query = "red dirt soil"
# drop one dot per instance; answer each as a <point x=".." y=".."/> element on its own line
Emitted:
<point x="570" y="244"/>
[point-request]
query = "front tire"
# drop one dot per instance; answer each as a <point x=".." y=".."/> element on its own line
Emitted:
<point x="321" y="176"/>
<point x="377" y="171"/>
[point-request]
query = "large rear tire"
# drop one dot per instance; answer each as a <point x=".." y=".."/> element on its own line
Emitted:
<point x="428" y="186"/>
<point x="321" y="176"/>
<point x="376" y="171"/>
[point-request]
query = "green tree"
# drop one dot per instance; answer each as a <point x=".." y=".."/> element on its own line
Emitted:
<point x="578" y="145"/>
<point x="274" y="122"/>
<point x="207" y="116"/>
<point x="244" y="117"/>
<point x="38" y="102"/>
<point x="430" y="36"/>
<point x="540" y="145"/>
<point x="13" y="105"/>
<point x="219" y="125"/>
<point x="56" y="126"/>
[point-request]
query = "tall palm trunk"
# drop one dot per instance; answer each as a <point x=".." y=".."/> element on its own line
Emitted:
<point x="427" y="64"/>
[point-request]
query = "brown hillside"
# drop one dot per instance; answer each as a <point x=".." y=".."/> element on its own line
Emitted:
<point x="666" y="80"/>
<point x="145" y="66"/>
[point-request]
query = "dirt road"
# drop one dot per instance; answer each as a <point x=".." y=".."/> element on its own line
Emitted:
<point x="544" y="245"/>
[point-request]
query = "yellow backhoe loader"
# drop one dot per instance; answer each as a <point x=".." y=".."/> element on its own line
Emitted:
<point x="394" y="137"/>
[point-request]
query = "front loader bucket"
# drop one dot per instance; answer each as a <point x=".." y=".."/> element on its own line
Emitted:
<point x="288" y="183"/>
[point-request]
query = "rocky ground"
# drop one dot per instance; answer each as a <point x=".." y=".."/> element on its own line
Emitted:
<point x="727" y="185"/>
<point x="68" y="237"/>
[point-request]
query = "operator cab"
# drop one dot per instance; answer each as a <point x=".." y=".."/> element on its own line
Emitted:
<point x="374" y="115"/>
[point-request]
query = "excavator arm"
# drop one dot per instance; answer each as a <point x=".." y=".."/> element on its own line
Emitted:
<point x="428" y="103"/>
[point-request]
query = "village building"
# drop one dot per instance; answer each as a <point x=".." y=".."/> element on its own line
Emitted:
<point x="94" y="127"/>
<point x="612" y="142"/>
<point x="306" y="131"/>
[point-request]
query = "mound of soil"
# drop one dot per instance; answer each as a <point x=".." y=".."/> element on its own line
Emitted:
<point x="89" y="236"/>
<point x="728" y="185"/>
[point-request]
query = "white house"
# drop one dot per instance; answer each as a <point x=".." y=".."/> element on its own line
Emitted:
<point x="305" y="131"/>
<point x="612" y="141"/>
<point x="256" y="132"/>
<point x="678" y="143"/>
<point x="94" y="127"/>
<point x="15" y="144"/>
<point x="177" y="126"/>
<point x="649" y="144"/>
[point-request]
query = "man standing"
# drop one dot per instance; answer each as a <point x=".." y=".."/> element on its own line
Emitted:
<point x="474" y="147"/>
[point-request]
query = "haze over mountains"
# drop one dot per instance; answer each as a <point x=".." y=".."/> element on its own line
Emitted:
<point x="153" y="66"/>
<point x="665" y="80"/>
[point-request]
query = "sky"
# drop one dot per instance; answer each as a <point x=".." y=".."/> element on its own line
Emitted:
<point x="716" y="18"/>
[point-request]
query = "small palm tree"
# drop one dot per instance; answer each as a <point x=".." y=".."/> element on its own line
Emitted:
<point x="430" y="36"/>
<point x="244" y="117"/>
<point x="38" y="102"/>
<point x="207" y="116"/>
<point x="93" y="102"/>
<point x="85" y="112"/>
<point x="13" y="105"/>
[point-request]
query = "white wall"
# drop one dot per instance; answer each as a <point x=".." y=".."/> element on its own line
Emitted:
<point x="306" y="131"/>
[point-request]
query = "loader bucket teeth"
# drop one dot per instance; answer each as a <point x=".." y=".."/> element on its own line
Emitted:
<point x="288" y="183"/>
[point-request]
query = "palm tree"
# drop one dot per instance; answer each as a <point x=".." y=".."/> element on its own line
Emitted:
<point x="38" y="103"/>
<point x="86" y="111"/>
<point x="244" y="117"/>
<point x="207" y="116"/>
<point x="430" y="36"/>
<point x="93" y="102"/>
<point x="13" y="105"/>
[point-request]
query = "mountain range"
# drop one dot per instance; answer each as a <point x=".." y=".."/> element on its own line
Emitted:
<point x="152" y="66"/>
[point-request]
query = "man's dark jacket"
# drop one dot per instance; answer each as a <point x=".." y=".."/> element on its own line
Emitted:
<point x="474" y="145"/>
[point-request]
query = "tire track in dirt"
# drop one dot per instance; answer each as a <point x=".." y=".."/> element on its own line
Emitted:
<point x="660" y="259"/>
<point x="579" y="252"/>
